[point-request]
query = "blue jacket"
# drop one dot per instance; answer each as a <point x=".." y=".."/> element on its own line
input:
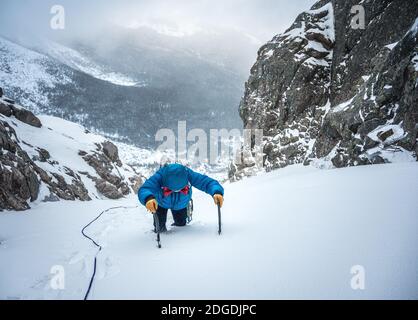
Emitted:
<point x="164" y="177"/>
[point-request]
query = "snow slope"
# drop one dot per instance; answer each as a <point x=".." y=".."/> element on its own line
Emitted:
<point x="297" y="235"/>
<point x="77" y="61"/>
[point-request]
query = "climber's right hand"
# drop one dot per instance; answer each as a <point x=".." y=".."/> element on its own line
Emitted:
<point x="152" y="205"/>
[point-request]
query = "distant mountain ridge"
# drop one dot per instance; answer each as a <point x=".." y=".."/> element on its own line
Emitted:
<point x="126" y="85"/>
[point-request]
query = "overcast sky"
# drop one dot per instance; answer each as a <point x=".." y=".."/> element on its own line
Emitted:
<point x="261" y="18"/>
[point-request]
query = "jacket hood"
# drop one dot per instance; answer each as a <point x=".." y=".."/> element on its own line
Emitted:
<point x="175" y="176"/>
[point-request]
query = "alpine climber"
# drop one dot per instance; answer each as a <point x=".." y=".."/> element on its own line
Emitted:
<point x="171" y="188"/>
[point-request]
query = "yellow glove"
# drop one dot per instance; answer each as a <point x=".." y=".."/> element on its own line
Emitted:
<point x="219" y="199"/>
<point x="152" y="205"/>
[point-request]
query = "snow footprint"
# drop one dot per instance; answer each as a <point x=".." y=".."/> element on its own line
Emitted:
<point x="42" y="283"/>
<point x="76" y="257"/>
<point x="83" y="259"/>
<point x="107" y="267"/>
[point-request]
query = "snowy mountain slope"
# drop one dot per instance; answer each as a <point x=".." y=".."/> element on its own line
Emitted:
<point x="27" y="74"/>
<point x="300" y="239"/>
<point x="78" y="84"/>
<point x="30" y="71"/>
<point x="46" y="158"/>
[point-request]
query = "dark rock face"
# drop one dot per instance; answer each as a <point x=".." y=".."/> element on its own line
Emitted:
<point x="27" y="117"/>
<point x="18" y="184"/>
<point x="325" y="91"/>
<point x="5" y="109"/>
<point x="18" y="180"/>
<point x="108" y="189"/>
<point x="43" y="154"/>
<point x="8" y="109"/>
<point x="287" y="92"/>
<point x="111" y="151"/>
<point x="374" y="96"/>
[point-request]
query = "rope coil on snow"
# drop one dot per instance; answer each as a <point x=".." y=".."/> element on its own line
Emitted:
<point x="97" y="245"/>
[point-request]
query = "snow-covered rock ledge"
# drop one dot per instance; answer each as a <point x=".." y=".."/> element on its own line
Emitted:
<point x="47" y="159"/>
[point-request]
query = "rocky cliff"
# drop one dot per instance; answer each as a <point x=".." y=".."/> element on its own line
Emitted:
<point x="332" y="95"/>
<point x="47" y="159"/>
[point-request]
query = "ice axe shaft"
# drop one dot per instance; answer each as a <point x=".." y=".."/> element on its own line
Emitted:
<point x="219" y="220"/>
<point x="157" y="229"/>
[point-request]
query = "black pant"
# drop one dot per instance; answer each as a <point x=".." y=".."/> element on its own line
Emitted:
<point x="179" y="216"/>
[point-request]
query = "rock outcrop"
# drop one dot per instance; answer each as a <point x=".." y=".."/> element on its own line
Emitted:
<point x="105" y="161"/>
<point x="8" y="108"/>
<point x="329" y="94"/>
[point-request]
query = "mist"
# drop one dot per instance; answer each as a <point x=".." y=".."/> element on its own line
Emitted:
<point x="262" y="19"/>
<point x="182" y="59"/>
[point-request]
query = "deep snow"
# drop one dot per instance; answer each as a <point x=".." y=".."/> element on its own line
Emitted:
<point x="292" y="233"/>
